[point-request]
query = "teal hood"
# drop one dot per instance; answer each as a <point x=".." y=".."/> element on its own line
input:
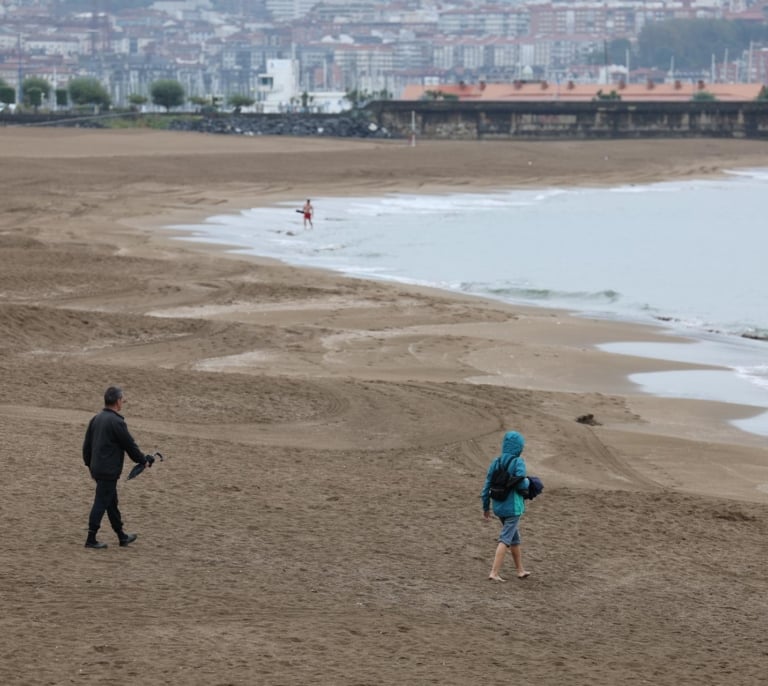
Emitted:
<point x="511" y="446"/>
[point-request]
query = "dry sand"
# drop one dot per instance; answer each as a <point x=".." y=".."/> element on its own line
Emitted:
<point x="317" y="520"/>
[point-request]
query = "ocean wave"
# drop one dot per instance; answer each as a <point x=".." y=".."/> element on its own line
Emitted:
<point x="455" y="203"/>
<point x="759" y="173"/>
<point x="331" y="247"/>
<point x="697" y="324"/>
<point x="559" y="252"/>
<point x="757" y="374"/>
<point x="515" y="292"/>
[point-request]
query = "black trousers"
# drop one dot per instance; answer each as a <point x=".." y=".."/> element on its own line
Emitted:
<point x="105" y="500"/>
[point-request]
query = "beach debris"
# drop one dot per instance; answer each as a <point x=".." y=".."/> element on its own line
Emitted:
<point x="588" y="419"/>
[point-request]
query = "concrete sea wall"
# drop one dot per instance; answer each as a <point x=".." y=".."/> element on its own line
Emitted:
<point x="571" y="120"/>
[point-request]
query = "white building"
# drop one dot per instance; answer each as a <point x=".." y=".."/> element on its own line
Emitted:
<point x="283" y="10"/>
<point x="278" y="91"/>
<point x="329" y="102"/>
<point x="278" y="87"/>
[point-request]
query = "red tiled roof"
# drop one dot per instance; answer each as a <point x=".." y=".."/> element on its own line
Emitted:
<point x="533" y="91"/>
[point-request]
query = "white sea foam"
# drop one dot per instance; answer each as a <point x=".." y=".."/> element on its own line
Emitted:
<point x="669" y="257"/>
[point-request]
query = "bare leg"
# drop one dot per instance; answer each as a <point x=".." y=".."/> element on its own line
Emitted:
<point x="498" y="561"/>
<point x="517" y="557"/>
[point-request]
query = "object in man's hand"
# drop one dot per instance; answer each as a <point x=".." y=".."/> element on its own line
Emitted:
<point x="139" y="468"/>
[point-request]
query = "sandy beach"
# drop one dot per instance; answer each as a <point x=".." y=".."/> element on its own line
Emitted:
<point x="317" y="519"/>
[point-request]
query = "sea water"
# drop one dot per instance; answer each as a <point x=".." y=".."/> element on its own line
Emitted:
<point x="688" y="255"/>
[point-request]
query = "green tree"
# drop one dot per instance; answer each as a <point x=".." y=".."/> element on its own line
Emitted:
<point x="7" y="94"/>
<point x="239" y="101"/>
<point x="703" y="96"/>
<point x="167" y="93"/>
<point x="33" y="96"/>
<point x="438" y="95"/>
<point x="205" y="105"/>
<point x="35" y="89"/>
<point x="692" y="43"/>
<point x="613" y="95"/>
<point x="306" y="99"/>
<point x="138" y="100"/>
<point x="87" y="90"/>
<point x="357" y="97"/>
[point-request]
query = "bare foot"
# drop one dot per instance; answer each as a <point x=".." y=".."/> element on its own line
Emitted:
<point x="523" y="575"/>
<point x="496" y="577"/>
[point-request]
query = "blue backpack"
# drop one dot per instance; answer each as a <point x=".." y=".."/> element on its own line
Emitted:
<point x="535" y="486"/>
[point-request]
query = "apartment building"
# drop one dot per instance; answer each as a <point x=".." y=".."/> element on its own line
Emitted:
<point x="486" y="21"/>
<point x="336" y="45"/>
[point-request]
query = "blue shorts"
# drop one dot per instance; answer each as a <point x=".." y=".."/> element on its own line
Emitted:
<point x="510" y="534"/>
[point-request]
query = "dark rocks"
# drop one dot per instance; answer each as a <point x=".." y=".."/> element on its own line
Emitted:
<point x="336" y="126"/>
<point x="756" y="335"/>
<point x="354" y="124"/>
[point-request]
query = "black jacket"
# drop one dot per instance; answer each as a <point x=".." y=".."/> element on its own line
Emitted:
<point x="106" y="442"/>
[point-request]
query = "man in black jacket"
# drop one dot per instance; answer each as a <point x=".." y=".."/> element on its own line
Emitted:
<point x="106" y="442"/>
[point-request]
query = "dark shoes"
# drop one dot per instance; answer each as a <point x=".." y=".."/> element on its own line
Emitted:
<point x="95" y="544"/>
<point x="127" y="539"/>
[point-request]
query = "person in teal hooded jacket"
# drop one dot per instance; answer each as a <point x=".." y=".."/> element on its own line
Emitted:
<point x="511" y="508"/>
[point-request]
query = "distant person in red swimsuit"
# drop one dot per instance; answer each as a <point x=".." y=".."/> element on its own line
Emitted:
<point x="308" y="212"/>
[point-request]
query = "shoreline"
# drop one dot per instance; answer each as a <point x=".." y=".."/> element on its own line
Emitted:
<point x="326" y="439"/>
<point x="743" y="415"/>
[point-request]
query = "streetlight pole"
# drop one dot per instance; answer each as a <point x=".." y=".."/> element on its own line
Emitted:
<point x="20" y="89"/>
